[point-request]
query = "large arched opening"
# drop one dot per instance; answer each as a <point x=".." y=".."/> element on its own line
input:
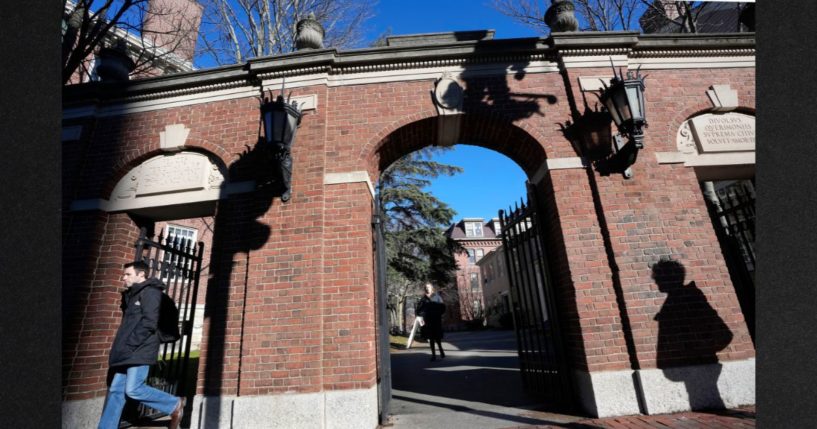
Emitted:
<point x="537" y="304"/>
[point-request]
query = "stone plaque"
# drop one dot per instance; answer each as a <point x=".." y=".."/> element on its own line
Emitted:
<point x="173" y="174"/>
<point x="729" y="132"/>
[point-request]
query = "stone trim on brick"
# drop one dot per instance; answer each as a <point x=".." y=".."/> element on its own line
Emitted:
<point x="350" y="177"/>
<point x="558" y="164"/>
<point x="158" y="201"/>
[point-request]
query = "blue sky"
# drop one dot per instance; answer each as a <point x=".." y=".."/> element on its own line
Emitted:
<point x="490" y="181"/>
<point x="426" y="16"/>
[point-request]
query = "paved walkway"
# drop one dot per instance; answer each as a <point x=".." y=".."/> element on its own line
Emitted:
<point x="742" y="418"/>
<point x="478" y="386"/>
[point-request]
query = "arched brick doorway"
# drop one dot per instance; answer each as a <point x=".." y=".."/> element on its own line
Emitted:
<point x="497" y="134"/>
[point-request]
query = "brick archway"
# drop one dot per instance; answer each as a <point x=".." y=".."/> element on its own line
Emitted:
<point x="491" y="132"/>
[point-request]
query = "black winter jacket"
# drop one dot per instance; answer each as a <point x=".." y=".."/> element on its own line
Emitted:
<point x="432" y="313"/>
<point x="136" y="341"/>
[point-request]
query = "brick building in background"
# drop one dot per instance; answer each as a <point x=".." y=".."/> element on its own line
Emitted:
<point x="165" y="46"/>
<point x="496" y="289"/>
<point x="478" y="237"/>
<point x="290" y="318"/>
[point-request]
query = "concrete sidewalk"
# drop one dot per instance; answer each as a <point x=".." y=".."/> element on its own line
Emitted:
<point x="478" y="386"/>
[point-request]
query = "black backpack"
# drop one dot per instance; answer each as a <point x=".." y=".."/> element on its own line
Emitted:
<point x="168" y="327"/>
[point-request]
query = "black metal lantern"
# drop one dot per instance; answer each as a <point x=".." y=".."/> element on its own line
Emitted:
<point x="280" y="119"/>
<point x="624" y="99"/>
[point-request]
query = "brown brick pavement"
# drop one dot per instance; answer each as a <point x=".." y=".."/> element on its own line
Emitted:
<point x="740" y="418"/>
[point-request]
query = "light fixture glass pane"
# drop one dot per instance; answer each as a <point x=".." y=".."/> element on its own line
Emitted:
<point x="268" y="130"/>
<point x="279" y="123"/>
<point x="292" y="125"/>
<point x="634" y="102"/>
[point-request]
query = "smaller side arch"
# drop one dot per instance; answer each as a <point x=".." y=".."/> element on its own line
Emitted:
<point x="162" y="185"/>
<point x="133" y="159"/>
<point x="695" y="110"/>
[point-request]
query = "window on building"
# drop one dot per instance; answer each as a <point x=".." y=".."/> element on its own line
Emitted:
<point x="473" y="229"/>
<point x="479" y="254"/>
<point x="471" y="256"/>
<point x="173" y="231"/>
<point x="474" y="282"/>
<point x="170" y="266"/>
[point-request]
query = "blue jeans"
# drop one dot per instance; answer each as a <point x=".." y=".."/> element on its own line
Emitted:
<point x="132" y="384"/>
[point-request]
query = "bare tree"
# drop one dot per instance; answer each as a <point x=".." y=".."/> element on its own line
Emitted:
<point x="594" y="15"/>
<point x="612" y="15"/>
<point x="527" y="12"/>
<point x="236" y="30"/>
<point x="159" y="35"/>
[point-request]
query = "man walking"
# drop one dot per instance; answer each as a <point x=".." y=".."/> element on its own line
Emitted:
<point x="135" y="348"/>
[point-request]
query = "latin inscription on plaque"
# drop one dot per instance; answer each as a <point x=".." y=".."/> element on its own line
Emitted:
<point x="173" y="174"/>
<point x="730" y="132"/>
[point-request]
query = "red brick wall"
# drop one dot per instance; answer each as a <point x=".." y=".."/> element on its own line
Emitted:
<point x="659" y="213"/>
<point x="290" y="305"/>
<point x="95" y="312"/>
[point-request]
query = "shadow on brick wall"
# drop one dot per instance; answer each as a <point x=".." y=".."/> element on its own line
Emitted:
<point x="684" y="341"/>
<point x="238" y="232"/>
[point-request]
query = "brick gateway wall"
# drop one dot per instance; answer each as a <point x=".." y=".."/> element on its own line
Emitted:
<point x="290" y="298"/>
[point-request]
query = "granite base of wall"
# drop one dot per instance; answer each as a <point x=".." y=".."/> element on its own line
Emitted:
<point x="82" y="414"/>
<point x="325" y="410"/>
<point x="614" y="393"/>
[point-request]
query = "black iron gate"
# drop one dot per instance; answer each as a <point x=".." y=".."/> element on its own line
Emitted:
<point x="383" y="355"/>
<point x="541" y="356"/>
<point x="732" y="209"/>
<point x="176" y="261"/>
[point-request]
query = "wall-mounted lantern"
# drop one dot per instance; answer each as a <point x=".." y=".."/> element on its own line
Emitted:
<point x="280" y="119"/>
<point x="624" y="99"/>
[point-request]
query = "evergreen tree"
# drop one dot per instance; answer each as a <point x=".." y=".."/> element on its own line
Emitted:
<point x="417" y="248"/>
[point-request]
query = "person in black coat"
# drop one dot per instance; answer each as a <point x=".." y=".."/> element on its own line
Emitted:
<point x="135" y="348"/>
<point x="431" y="308"/>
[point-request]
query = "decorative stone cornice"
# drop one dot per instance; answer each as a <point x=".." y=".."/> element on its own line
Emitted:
<point x="593" y="52"/>
<point x="185" y="91"/>
<point x="295" y="72"/>
<point x="407" y="57"/>
<point x="693" y="53"/>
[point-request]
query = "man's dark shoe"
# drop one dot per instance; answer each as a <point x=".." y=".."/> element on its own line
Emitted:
<point x="176" y="415"/>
